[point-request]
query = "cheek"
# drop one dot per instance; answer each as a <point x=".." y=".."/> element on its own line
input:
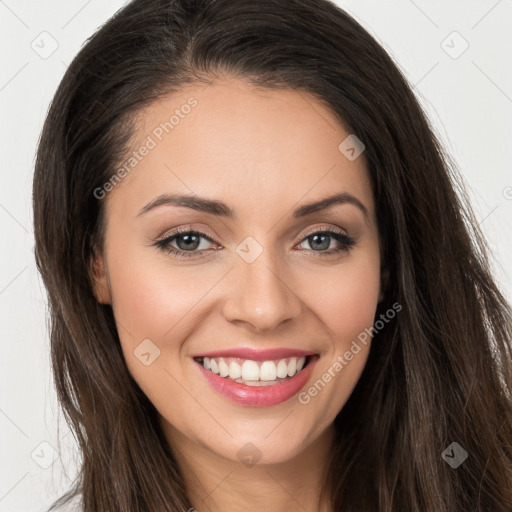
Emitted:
<point x="150" y="300"/>
<point x="153" y="303"/>
<point x="346" y="300"/>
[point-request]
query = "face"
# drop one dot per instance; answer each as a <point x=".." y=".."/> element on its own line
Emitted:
<point x="236" y="326"/>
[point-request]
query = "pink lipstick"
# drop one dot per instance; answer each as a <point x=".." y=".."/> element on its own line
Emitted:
<point x="257" y="377"/>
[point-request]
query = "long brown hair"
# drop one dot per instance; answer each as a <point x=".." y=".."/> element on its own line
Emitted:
<point x="440" y="373"/>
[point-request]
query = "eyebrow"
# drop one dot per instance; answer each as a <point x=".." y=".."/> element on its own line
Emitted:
<point x="219" y="208"/>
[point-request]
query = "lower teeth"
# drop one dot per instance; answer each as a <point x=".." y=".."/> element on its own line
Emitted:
<point x="260" y="382"/>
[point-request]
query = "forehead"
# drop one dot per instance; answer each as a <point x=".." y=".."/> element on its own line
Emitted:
<point x="257" y="149"/>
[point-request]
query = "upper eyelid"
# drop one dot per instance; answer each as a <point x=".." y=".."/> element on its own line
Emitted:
<point x="328" y="229"/>
<point x="183" y="230"/>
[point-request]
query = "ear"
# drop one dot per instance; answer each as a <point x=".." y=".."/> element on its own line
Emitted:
<point x="384" y="279"/>
<point x="100" y="278"/>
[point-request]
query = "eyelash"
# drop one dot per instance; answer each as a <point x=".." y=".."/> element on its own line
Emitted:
<point x="347" y="242"/>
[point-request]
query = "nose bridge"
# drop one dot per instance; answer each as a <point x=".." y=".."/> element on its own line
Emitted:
<point x="259" y="296"/>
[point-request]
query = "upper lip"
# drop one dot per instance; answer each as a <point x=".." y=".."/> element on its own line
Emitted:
<point x="257" y="354"/>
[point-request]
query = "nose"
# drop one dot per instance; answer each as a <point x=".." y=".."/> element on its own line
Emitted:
<point x="259" y="298"/>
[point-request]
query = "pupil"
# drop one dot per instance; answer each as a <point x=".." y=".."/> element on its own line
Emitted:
<point x="325" y="237"/>
<point x="188" y="239"/>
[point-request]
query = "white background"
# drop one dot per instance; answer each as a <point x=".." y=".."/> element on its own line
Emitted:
<point x="468" y="98"/>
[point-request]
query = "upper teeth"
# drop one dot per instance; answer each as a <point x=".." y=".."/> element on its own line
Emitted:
<point x="249" y="370"/>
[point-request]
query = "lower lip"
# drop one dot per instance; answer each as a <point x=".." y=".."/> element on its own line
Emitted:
<point x="259" y="395"/>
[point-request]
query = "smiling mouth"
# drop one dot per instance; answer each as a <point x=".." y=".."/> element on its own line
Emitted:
<point x="256" y="373"/>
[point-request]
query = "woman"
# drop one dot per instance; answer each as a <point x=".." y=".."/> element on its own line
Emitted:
<point x="208" y="354"/>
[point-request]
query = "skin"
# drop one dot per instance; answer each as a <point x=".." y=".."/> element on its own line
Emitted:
<point x="263" y="153"/>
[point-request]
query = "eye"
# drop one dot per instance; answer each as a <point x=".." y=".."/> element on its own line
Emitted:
<point x="187" y="240"/>
<point x="321" y="240"/>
